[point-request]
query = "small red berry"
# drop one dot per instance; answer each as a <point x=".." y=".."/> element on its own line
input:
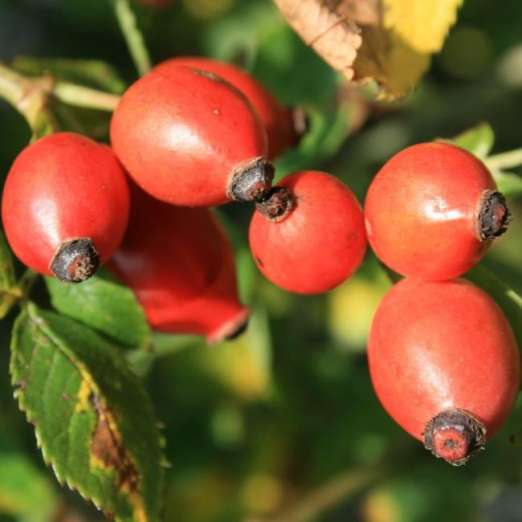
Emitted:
<point x="277" y="120"/>
<point x="65" y="206"/>
<point x="189" y="138"/>
<point x="180" y="264"/>
<point x="444" y="364"/>
<point x="308" y="235"/>
<point x="432" y="211"/>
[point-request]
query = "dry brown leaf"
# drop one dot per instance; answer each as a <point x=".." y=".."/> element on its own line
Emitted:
<point x="362" y="12"/>
<point x="331" y="34"/>
<point x="389" y="41"/>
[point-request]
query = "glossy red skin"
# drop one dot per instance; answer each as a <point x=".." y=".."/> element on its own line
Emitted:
<point x="421" y="211"/>
<point x="434" y="346"/>
<point x="61" y="187"/>
<point x="319" y="244"/>
<point x="181" y="266"/>
<point x="181" y="134"/>
<point x="276" y="119"/>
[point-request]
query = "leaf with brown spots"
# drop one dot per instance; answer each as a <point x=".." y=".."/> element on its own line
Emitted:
<point x="93" y="420"/>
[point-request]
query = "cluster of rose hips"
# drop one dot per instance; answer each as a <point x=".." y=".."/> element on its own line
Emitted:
<point x="191" y="134"/>
<point x="195" y="133"/>
<point x="443" y="359"/>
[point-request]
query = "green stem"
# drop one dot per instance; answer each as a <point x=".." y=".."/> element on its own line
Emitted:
<point x="80" y="96"/>
<point x="133" y="36"/>
<point x="27" y="96"/>
<point x="505" y="160"/>
<point x="19" y="293"/>
<point x="12" y="85"/>
<point x="26" y="282"/>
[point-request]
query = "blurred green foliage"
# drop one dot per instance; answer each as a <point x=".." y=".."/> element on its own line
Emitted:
<point x="267" y="427"/>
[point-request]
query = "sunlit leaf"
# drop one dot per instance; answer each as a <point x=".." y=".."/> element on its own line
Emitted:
<point x="397" y="54"/>
<point x="423" y="26"/>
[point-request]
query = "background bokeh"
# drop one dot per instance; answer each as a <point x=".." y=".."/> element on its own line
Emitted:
<point x="282" y="424"/>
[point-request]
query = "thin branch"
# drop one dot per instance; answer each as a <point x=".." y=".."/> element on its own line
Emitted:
<point x="20" y="292"/>
<point x="325" y="497"/>
<point x="80" y="96"/>
<point x="133" y="36"/>
<point x="27" y="95"/>
<point x="13" y="86"/>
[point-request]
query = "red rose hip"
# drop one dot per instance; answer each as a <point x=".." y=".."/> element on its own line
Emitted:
<point x="180" y="264"/>
<point x="277" y="120"/>
<point x="308" y="235"/>
<point x="444" y="363"/>
<point x="65" y="206"/>
<point x="187" y="137"/>
<point x="432" y="211"/>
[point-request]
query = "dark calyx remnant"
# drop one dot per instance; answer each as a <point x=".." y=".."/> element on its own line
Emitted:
<point x="238" y="330"/>
<point x="75" y="261"/>
<point x="454" y="435"/>
<point x="494" y="215"/>
<point x="277" y="203"/>
<point x="251" y="181"/>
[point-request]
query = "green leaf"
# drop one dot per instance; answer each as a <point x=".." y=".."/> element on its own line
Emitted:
<point x="256" y="36"/>
<point x="478" y="140"/>
<point x="93" y="73"/>
<point x="92" y="417"/>
<point x="236" y="37"/>
<point x="24" y="491"/>
<point x="328" y="129"/>
<point x="508" y="183"/>
<point x="506" y="297"/>
<point x="105" y="305"/>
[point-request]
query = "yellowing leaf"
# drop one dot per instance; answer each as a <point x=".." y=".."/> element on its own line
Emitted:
<point x="422" y="25"/>
<point x="395" y="66"/>
<point x="389" y="41"/>
<point x="398" y="53"/>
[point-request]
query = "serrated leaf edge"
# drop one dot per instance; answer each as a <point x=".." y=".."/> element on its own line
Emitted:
<point x="135" y="500"/>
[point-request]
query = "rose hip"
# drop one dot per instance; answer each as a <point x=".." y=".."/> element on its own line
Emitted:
<point x="277" y="120"/>
<point x="444" y="364"/>
<point x="190" y="138"/>
<point x="65" y="206"/>
<point x="308" y="235"/>
<point x="180" y="264"/>
<point x="432" y="211"/>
